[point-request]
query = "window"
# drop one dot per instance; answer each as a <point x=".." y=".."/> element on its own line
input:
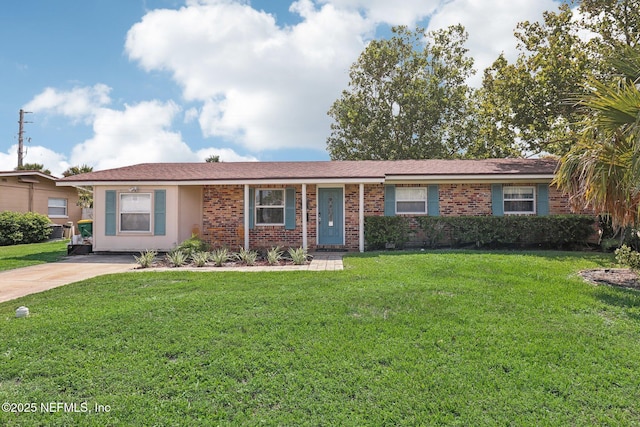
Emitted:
<point x="270" y="207"/>
<point x="135" y="212"/>
<point x="519" y="200"/>
<point x="411" y="200"/>
<point x="57" y="208"/>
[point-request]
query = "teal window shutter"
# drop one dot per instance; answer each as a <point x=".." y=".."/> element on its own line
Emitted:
<point x="433" y="200"/>
<point x="110" y="213"/>
<point x="389" y="200"/>
<point x="252" y="207"/>
<point x="160" y="212"/>
<point x="290" y="209"/>
<point x="543" y="200"/>
<point x="497" y="205"/>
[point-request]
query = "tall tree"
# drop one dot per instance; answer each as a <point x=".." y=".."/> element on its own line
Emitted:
<point x="77" y="170"/>
<point x="533" y="102"/>
<point x="602" y="170"/>
<point x="526" y="103"/>
<point x="33" y="167"/>
<point x="407" y="99"/>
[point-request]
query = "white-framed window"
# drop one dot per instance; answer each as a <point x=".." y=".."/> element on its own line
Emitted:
<point x="57" y="208"/>
<point x="135" y="212"/>
<point x="411" y="200"/>
<point x="270" y="206"/>
<point x="519" y="200"/>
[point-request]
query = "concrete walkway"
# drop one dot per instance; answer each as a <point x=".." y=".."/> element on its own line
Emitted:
<point x="30" y="280"/>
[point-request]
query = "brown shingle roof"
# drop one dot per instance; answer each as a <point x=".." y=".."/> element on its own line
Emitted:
<point x="316" y="170"/>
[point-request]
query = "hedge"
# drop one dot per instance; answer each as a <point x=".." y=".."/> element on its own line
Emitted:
<point x="383" y="231"/>
<point x="21" y="228"/>
<point x="552" y="232"/>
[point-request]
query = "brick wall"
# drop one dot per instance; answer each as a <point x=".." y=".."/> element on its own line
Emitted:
<point x="465" y="199"/>
<point x="223" y="216"/>
<point x="223" y="219"/>
<point x="559" y="203"/>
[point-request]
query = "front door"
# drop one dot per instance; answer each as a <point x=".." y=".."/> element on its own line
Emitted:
<point x="330" y="217"/>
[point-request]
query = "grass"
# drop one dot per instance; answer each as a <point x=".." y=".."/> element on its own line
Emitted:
<point x="451" y="338"/>
<point x="37" y="253"/>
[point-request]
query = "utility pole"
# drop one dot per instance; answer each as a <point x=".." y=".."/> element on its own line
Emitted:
<point x="21" y="123"/>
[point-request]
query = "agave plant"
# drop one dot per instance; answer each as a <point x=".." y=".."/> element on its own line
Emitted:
<point x="247" y="257"/>
<point x="299" y="255"/>
<point x="177" y="258"/>
<point x="274" y="255"/>
<point x="200" y="258"/>
<point x="220" y="256"/>
<point x="145" y="260"/>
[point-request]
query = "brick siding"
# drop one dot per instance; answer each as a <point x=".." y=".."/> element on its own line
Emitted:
<point x="223" y="215"/>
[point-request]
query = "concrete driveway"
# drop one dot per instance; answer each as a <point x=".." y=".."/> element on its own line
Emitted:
<point x="30" y="280"/>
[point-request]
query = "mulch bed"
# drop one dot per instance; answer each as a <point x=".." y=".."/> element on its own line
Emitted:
<point x="621" y="277"/>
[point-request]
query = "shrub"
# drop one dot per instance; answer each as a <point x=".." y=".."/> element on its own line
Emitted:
<point x="274" y="255"/>
<point x="626" y="256"/>
<point x="193" y="245"/>
<point x="381" y="231"/>
<point x="145" y="260"/>
<point x="298" y="256"/>
<point x="200" y="258"/>
<point x="220" y="256"/>
<point x="247" y="257"/>
<point x="612" y="238"/>
<point x="23" y="228"/>
<point x="557" y="231"/>
<point x="177" y="258"/>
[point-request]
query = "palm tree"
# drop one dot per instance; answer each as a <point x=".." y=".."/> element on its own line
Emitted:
<point x="85" y="194"/>
<point x="602" y="171"/>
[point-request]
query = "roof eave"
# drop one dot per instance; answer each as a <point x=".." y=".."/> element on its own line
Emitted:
<point x="279" y="181"/>
<point x="460" y="178"/>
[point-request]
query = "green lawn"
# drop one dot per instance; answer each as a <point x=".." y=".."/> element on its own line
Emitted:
<point x="37" y="253"/>
<point x="451" y="338"/>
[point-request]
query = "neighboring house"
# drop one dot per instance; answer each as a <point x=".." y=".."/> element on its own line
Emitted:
<point x="310" y="204"/>
<point x="34" y="191"/>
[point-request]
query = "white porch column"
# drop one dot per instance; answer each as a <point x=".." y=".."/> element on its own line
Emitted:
<point x="361" y="219"/>
<point x="246" y="216"/>
<point x="304" y="216"/>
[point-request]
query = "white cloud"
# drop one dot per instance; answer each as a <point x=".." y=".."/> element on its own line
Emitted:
<point x="191" y="114"/>
<point x="254" y="82"/>
<point x="226" y="155"/>
<point x="261" y="85"/>
<point x="490" y="25"/>
<point x="398" y="12"/>
<point x="78" y="103"/>
<point x="55" y="162"/>
<point x="269" y="87"/>
<point x="141" y="133"/>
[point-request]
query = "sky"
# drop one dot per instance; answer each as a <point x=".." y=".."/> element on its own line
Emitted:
<point x="110" y="83"/>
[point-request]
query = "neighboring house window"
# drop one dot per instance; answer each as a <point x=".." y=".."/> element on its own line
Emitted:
<point x="135" y="212"/>
<point x="57" y="208"/>
<point x="411" y="200"/>
<point x="519" y="200"/>
<point x="270" y="207"/>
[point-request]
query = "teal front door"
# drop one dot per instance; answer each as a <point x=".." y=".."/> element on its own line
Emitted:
<point x="330" y="217"/>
